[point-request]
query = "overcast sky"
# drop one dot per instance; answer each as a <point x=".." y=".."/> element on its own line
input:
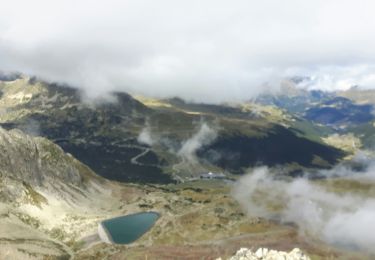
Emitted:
<point x="202" y="50"/>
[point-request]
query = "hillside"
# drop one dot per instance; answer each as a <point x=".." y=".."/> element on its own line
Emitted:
<point x="104" y="134"/>
<point x="44" y="191"/>
<point x="51" y="205"/>
<point x="343" y="119"/>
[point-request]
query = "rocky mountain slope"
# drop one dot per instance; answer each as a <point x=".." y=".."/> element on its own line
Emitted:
<point x="42" y="191"/>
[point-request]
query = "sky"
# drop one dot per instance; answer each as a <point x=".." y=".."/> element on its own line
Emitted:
<point x="211" y="51"/>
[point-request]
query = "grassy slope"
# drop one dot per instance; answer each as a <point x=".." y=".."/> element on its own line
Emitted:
<point x="246" y="140"/>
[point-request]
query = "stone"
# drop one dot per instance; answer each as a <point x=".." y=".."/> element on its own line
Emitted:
<point x="269" y="254"/>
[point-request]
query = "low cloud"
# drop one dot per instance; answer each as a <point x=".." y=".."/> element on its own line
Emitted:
<point x="341" y="219"/>
<point x="204" y="136"/>
<point x="146" y="137"/>
<point x="185" y="149"/>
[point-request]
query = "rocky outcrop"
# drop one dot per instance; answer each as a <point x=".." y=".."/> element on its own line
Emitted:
<point x="48" y="199"/>
<point x="34" y="159"/>
<point x="268" y="254"/>
<point x="31" y="163"/>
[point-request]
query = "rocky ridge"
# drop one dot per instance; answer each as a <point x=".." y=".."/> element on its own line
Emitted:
<point x="43" y="193"/>
<point x="269" y="254"/>
<point x="38" y="164"/>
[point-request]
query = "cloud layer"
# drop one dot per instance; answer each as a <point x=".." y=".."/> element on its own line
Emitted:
<point x="201" y="50"/>
<point x="342" y="219"/>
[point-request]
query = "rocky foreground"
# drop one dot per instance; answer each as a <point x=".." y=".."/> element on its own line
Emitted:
<point x="267" y="254"/>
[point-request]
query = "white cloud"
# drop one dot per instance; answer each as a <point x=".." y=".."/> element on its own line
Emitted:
<point x="146" y="136"/>
<point x="341" y="219"/>
<point x="204" y="136"/>
<point x="202" y="50"/>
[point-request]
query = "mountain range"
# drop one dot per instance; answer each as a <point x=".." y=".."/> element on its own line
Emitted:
<point x="67" y="162"/>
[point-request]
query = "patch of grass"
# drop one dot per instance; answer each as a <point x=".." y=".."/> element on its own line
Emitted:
<point x="57" y="233"/>
<point x="28" y="220"/>
<point x="344" y="186"/>
<point x="34" y="197"/>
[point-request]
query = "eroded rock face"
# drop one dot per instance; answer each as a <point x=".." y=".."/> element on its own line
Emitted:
<point x="47" y="198"/>
<point x="34" y="159"/>
<point x="268" y="254"/>
<point x="28" y="162"/>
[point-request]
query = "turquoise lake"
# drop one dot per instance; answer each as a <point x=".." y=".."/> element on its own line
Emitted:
<point x="127" y="229"/>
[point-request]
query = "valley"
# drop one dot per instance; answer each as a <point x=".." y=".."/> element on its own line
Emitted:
<point x="187" y="130"/>
<point x="150" y="155"/>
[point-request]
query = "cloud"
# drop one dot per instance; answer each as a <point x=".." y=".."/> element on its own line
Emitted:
<point x="201" y="50"/>
<point x="146" y="136"/>
<point x="204" y="136"/>
<point x="341" y="219"/>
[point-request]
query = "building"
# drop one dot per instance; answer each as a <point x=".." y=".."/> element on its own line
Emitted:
<point x="212" y="175"/>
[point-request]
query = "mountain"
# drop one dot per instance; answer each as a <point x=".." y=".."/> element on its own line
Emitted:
<point x="293" y="98"/>
<point x="40" y="187"/>
<point x="105" y="134"/>
<point x="358" y="95"/>
<point x="337" y="110"/>
<point x="101" y="134"/>
<point x="148" y="154"/>
<point x="51" y="204"/>
<point x="340" y="111"/>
